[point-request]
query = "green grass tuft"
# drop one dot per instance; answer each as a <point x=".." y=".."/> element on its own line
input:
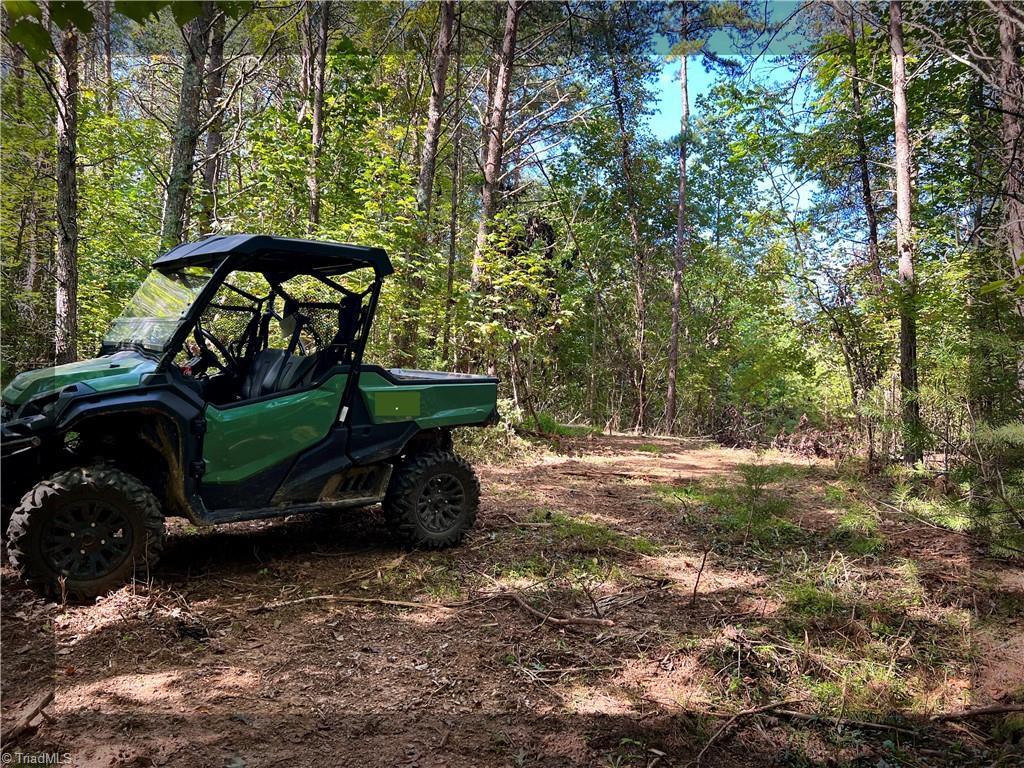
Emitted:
<point x="858" y="532"/>
<point x="573" y="568"/>
<point x="549" y="425"/>
<point x="649" y="448"/>
<point x="806" y="599"/>
<point x="588" y="535"/>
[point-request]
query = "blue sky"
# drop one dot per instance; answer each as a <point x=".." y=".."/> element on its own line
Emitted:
<point x="768" y="46"/>
<point x="665" y="121"/>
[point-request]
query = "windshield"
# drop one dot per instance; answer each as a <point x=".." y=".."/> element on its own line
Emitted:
<point x="157" y="308"/>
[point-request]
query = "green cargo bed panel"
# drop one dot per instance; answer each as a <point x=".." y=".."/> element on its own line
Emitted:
<point x="428" y="398"/>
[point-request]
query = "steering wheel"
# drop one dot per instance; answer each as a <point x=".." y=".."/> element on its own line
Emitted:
<point x="226" y="363"/>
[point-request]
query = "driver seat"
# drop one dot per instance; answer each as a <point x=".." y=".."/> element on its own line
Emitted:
<point x="278" y="370"/>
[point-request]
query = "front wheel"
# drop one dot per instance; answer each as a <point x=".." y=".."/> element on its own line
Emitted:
<point x="432" y="500"/>
<point x="84" y="532"/>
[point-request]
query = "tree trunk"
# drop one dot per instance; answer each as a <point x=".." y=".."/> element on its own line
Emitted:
<point x="65" y="332"/>
<point x="912" y="450"/>
<point x="27" y="305"/>
<point x="306" y="54"/>
<point x="214" y="134"/>
<point x="979" y="312"/>
<point x="108" y="55"/>
<point x="408" y="339"/>
<point x="874" y="264"/>
<point x="453" y="224"/>
<point x="495" y="134"/>
<point x="322" y="27"/>
<point x="186" y="130"/>
<point x="682" y="238"/>
<point x="1011" y="84"/>
<point x="439" y="77"/>
<point x="639" y="252"/>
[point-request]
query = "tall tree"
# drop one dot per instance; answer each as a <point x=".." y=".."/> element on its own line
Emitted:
<point x="453" y="223"/>
<point x="214" y="134"/>
<point x="106" y="12"/>
<point x="912" y="450"/>
<point x="65" y="332"/>
<point x="636" y="240"/>
<point x="682" y="243"/>
<point x="1011" y="86"/>
<point x="319" y="21"/>
<point x="870" y="215"/>
<point x="186" y="128"/>
<point x="494" y="131"/>
<point x="408" y="341"/>
<point x="438" y="79"/>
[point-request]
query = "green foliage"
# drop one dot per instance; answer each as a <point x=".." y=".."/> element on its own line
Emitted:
<point x="758" y="475"/>
<point x="858" y="532"/>
<point x="590" y="536"/>
<point x="27" y="30"/>
<point x="550" y="426"/>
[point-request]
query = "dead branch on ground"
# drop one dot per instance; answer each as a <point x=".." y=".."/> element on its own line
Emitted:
<point x="515" y="597"/>
<point x="24" y="722"/>
<point x="1004" y="709"/>
<point x="745" y="713"/>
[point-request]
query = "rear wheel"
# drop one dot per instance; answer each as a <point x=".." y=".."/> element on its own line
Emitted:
<point x="432" y="500"/>
<point x="84" y="532"/>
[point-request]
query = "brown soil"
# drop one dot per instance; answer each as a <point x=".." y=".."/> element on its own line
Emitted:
<point x="189" y="671"/>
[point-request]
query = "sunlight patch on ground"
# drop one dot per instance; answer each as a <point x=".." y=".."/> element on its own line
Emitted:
<point x="427" y="617"/>
<point x="676" y="682"/>
<point x="588" y="700"/>
<point x="164" y="692"/>
<point x="159" y="691"/>
<point x="683" y="569"/>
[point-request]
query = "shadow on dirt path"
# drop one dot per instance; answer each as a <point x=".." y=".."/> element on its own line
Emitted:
<point x="712" y="586"/>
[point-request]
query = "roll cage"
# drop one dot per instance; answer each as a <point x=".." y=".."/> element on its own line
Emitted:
<point x="278" y="260"/>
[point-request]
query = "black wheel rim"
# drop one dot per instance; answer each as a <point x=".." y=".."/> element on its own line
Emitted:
<point x="87" y="540"/>
<point x="441" y="503"/>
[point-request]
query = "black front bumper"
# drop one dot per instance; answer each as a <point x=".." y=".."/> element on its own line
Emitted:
<point x="13" y="443"/>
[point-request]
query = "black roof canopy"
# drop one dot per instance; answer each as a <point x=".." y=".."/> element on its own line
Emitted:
<point x="280" y="254"/>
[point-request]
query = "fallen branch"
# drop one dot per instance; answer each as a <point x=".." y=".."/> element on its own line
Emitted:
<point x="24" y="723"/>
<point x="349" y="599"/>
<point x="515" y="597"/>
<point x="745" y="713"/>
<point x="527" y="523"/>
<point x="844" y="721"/>
<point x="1003" y="709"/>
<point x="548" y="618"/>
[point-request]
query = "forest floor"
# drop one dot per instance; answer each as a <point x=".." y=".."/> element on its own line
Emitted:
<point x="712" y="582"/>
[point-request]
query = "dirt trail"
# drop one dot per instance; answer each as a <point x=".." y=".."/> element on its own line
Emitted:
<point x="189" y="671"/>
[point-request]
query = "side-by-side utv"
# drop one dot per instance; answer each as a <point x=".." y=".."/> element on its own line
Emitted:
<point x="231" y="388"/>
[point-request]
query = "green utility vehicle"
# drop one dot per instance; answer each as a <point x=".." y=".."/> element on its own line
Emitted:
<point x="232" y="387"/>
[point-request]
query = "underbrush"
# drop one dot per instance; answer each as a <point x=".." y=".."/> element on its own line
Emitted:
<point x="516" y="438"/>
<point x="749" y="512"/>
<point x="500" y="444"/>
<point x="549" y="425"/>
<point x="984" y="497"/>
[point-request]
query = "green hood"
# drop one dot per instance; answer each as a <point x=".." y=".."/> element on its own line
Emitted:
<point x="103" y="374"/>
